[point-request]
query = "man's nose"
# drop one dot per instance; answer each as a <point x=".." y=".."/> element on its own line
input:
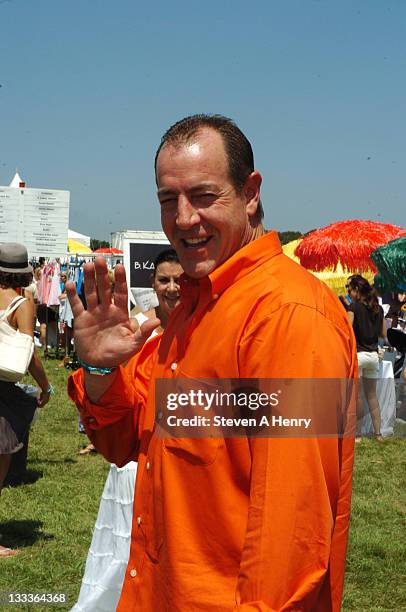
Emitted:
<point x="187" y="215"/>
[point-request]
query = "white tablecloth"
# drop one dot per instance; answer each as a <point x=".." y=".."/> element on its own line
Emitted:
<point x="385" y="391"/>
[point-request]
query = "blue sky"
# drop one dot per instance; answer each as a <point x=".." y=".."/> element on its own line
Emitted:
<point x="318" y="86"/>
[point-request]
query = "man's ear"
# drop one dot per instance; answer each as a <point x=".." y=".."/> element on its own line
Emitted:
<point x="252" y="191"/>
<point x="151" y="279"/>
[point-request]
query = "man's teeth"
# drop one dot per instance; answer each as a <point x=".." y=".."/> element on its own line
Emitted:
<point x="196" y="241"/>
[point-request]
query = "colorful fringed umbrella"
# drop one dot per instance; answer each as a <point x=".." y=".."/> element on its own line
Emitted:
<point x="390" y="260"/>
<point x="347" y="242"/>
<point x="335" y="279"/>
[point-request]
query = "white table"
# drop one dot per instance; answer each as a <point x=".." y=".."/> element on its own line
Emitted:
<point x="386" y="394"/>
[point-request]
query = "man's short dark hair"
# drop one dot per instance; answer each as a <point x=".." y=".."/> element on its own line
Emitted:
<point x="238" y="148"/>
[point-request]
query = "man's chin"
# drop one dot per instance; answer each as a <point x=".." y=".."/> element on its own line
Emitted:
<point x="198" y="269"/>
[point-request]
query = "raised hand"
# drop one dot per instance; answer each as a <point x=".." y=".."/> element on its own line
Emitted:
<point x="104" y="336"/>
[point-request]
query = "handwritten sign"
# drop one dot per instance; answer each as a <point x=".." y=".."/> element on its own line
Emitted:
<point x="142" y="257"/>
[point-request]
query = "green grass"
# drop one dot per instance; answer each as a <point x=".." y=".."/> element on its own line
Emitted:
<point x="51" y="519"/>
<point x="375" y="577"/>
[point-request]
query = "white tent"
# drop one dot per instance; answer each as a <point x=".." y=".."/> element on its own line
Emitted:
<point x="17" y="180"/>
<point x="79" y="237"/>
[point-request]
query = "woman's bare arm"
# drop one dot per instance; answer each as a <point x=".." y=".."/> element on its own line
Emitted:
<point x="24" y="316"/>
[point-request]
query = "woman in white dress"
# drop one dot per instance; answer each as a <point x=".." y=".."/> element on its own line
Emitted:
<point x="110" y="547"/>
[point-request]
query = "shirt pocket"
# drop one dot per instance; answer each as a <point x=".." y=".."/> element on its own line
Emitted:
<point x="198" y="451"/>
<point x="198" y="445"/>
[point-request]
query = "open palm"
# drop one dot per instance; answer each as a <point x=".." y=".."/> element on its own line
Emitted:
<point x="104" y="335"/>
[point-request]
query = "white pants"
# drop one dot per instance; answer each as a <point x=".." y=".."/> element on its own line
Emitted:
<point x="368" y="364"/>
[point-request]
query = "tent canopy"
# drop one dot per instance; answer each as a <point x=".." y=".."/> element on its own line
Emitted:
<point x="16" y="180"/>
<point x="77" y="247"/>
<point x="82" y="238"/>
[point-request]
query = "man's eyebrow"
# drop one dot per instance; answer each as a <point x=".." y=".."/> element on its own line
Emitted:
<point x="197" y="188"/>
<point x="203" y="187"/>
<point x="164" y="191"/>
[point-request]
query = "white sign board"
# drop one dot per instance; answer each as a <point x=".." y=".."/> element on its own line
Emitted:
<point x="9" y="215"/>
<point x="38" y="218"/>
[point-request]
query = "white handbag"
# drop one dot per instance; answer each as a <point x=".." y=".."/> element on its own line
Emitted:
<point x="16" y="349"/>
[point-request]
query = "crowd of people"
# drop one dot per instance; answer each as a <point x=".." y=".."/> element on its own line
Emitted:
<point x="209" y="523"/>
<point x="368" y="320"/>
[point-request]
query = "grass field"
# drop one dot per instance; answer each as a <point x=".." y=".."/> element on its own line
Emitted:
<point x="51" y="519"/>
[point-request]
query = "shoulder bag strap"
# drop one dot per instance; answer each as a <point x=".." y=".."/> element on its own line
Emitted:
<point x="14" y="304"/>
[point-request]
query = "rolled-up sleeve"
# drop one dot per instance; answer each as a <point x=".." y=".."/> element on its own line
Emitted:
<point x="114" y="425"/>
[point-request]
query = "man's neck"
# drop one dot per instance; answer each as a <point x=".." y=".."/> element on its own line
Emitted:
<point x="252" y="233"/>
<point x="258" y="232"/>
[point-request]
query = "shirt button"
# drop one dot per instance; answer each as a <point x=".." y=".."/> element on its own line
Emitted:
<point x="174" y="365"/>
<point x="148" y="465"/>
<point x="216" y="296"/>
<point x="138" y="520"/>
<point x="133" y="573"/>
<point x="159" y="416"/>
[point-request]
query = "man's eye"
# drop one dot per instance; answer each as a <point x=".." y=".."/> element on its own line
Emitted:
<point x="168" y="201"/>
<point x="204" y="197"/>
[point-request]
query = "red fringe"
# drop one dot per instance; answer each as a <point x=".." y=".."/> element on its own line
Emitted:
<point x="347" y="242"/>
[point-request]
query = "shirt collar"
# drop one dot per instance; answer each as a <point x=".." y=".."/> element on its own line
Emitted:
<point x="244" y="261"/>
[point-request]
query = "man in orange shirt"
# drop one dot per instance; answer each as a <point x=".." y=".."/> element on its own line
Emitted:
<point x="220" y="523"/>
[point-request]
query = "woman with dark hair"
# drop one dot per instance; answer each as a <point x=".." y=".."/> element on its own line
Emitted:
<point x="16" y="407"/>
<point x="366" y="316"/>
<point x="165" y="283"/>
<point x="397" y="309"/>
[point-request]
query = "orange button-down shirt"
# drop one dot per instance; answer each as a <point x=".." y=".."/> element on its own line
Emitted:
<point x="234" y="524"/>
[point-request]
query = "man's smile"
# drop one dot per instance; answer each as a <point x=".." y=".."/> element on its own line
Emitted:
<point x="194" y="243"/>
